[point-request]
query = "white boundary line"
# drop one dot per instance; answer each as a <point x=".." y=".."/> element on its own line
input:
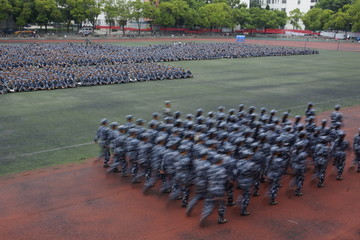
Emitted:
<point x="45" y="151"/>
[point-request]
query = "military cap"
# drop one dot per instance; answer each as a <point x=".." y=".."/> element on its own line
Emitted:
<point x="121" y="127"/>
<point x="210" y="114"/>
<point x="297" y="117"/>
<point x="140" y="120"/>
<point x="210" y="142"/>
<point x="171" y="144"/>
<point x="104" y="121"/>
<point x="114" y="124"/>
<point x="221" y="108"/>
<point x="155" y="114"/>
<point x="239" y="140"/>
<point x="183" y="148"/>
<point x="128" y="117"/>
<point x="337" y="107"/>
<point x="133" y="131"/>
<point x="160" y="139"/>
<point x="189" y="116"/>
<point x="247" y="153"/>
<point x="235" y="127"/>
<point x="231" y="111"/>
<point x="229" y="148"/>
<point x="203" y="152"/>
<point x="200" y="110"/>
<point x="310" y="104"/>
<point x="217" y="158"/>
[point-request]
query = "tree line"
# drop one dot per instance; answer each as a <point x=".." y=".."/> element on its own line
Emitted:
<point x="210" y="14"/>
<point x="334" y="15"/>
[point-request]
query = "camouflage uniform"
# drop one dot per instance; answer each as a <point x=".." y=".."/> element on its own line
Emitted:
<point x="217" y="178"/>
<point x="102" y="138"/>
<point x="201" y="166"/>
<point x="339" y="151"/>
<point x="321" y="158"/>
<point x="356" y="149"/>
<point x="298" y="164"/>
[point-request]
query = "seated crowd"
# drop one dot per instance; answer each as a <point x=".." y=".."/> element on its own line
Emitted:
<point x="31" y="67"/>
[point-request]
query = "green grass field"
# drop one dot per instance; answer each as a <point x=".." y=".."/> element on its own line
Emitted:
<point x="47" y="120"/>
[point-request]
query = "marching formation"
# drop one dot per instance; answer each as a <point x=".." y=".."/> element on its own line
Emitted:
<point x="31" y="67"/>
<point x="206" y="157"/>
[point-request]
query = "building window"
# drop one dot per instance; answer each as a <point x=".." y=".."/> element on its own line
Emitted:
<point x="283" y="1"/>
<point x="272" y="1"/>
<point x="299" y="2"/>
<point x="311" y="7"/>
<point x="283" y="9"/>
<point x="268" y="1"/>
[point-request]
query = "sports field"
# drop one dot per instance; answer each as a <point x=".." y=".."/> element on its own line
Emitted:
<point x="46" y="128"/>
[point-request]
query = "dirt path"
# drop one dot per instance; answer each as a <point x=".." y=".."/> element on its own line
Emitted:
<point x="80" y="201"/>
<point x="342" y="46"/>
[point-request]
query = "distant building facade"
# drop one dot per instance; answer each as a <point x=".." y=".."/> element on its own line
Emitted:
<point x="289" y="5"/>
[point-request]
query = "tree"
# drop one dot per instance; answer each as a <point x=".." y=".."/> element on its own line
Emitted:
<point x="339" y="21"/>
<point x="47" y="11"/>
<point x="93" y="10"/>
<point x="122" y="13"/>
<point x="281" y="18"/>
<point x="175" y="13"/>
<point x="241" y="17"/>
<point x="136" y="12"/>
<point x="166" y="17"/>
<point x="316" y="18"/>
<point x="6" y="9"/>
<point x="216" y="15"/>
<point x="110" y="10"/>
<point x="295" y="17"/>
<point x="354" y="12"/>
<point x="333" y="5"/>
<point x="22" y="12"/>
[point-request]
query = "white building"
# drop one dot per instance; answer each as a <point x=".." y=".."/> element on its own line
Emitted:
<point x="289" y="5"/>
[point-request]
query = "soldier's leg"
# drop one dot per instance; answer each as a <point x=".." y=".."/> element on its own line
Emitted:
<point x="340" y="167"/>
<point x="134" y="172"/>
<point x="198" y="196"/>
<point x="299" y="182"/>
<point x="176" y="191"/>
<point x="124" y="165"/>
<point x="245" y="202"/>
<point x="322" y="173"/>
<point x="257" y="186"/>
<point x="222" y="208"/>
<point x="106" y="156"/>
<point x="185" y="198"/>
<point x="207" y="209"/>
<point x="230" y="193"/>
<point x="273" y="191"/>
